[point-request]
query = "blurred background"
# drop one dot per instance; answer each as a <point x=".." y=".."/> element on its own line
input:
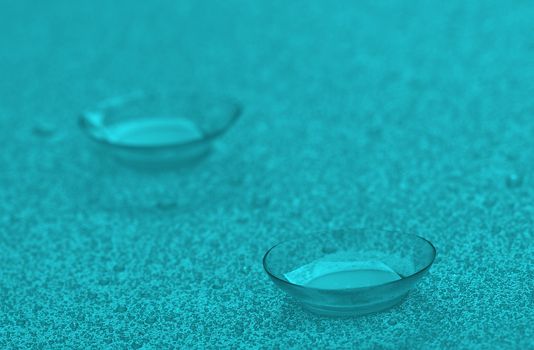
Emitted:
<point x="409" y="115"/>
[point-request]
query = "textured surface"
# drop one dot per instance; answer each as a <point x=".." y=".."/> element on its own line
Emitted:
<point x="410" y="115"/>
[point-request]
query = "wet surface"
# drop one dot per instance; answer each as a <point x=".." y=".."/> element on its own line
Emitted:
<point x="411" y="116"/>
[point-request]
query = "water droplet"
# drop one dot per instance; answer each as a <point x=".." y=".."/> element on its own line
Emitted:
<point x="261" y="202"/>
<point x="489" y="202"/>
<point x="104" y="281"/>
<point x="329" y="249"/>
<point x="238" y="329"/>
<point x="514" y="180"/>
<point x="121" y="309"/>
<point x="511" y="156"/>
<point x="242" y="219"/>
<point x="44" y="130"/>
<point x="217" y="285"/>
<point x="119" y="268"/>
<point x="137" y="345"/>
<point x="392" y="321"/>
<point x="151" y="320"/>
<point x="170" y="317"/>
<point x="236" y="181"/>
<point x="166" y="204"/>
<point x="398" y="333"/>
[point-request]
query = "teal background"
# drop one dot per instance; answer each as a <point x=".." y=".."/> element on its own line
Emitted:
<point x="408" y="115"/>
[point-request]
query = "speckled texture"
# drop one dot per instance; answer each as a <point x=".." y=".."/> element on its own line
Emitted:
<point x="411" y="115"/>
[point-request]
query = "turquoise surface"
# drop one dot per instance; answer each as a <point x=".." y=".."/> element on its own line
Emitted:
<point x="406" y="115"/>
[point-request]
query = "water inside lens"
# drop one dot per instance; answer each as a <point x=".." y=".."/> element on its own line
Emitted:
<point x="158" y="131"/>
<point x="342" y="274"/>
<point x="353" y="279"/>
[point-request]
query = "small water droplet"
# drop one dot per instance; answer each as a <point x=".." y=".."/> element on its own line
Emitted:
<point x="165" y="204"/>
<point x="329" y="249"/>
<point x="489" y="202"/>
<point x="44" y="130"/>
<point x="511" y="156"/>
<point x="151" y="319"/>
<point x="104" y="281"/>
<point x="392" y="321"/>
<point x="242" y="219"/>
<point x="137" y="345"/>
<point x="239" y="329"/>
<point x="398" y="333"/>
<point x="217" y="284"/>
<point x="170" y="316"/>
<point x="119" y="268"/>
<point x="236" y="181"/>
<point x="121" y="309"/>
<point x="261" y="202"/>
<point x="514" y="180"/>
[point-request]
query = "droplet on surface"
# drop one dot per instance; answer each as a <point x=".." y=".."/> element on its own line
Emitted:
<point x="242" y="219"/>
<point x="166" y="204"/>
<point x="151" y="319"/>
<point x="44" y="130"/>
<point x="514" y="180"/>
<point x="121" y="309"/>
<point x="119" y="268"/>
<point x="392" y="321"/>
<point x="137" y="345"/>
<point x="260" y="202"/>
<point x="217" y="284"/>
<point x="329" y="249"/>
<point x="489" y="202"/>
<point x="104" y="281"/>
<point x="170" y="317"/>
